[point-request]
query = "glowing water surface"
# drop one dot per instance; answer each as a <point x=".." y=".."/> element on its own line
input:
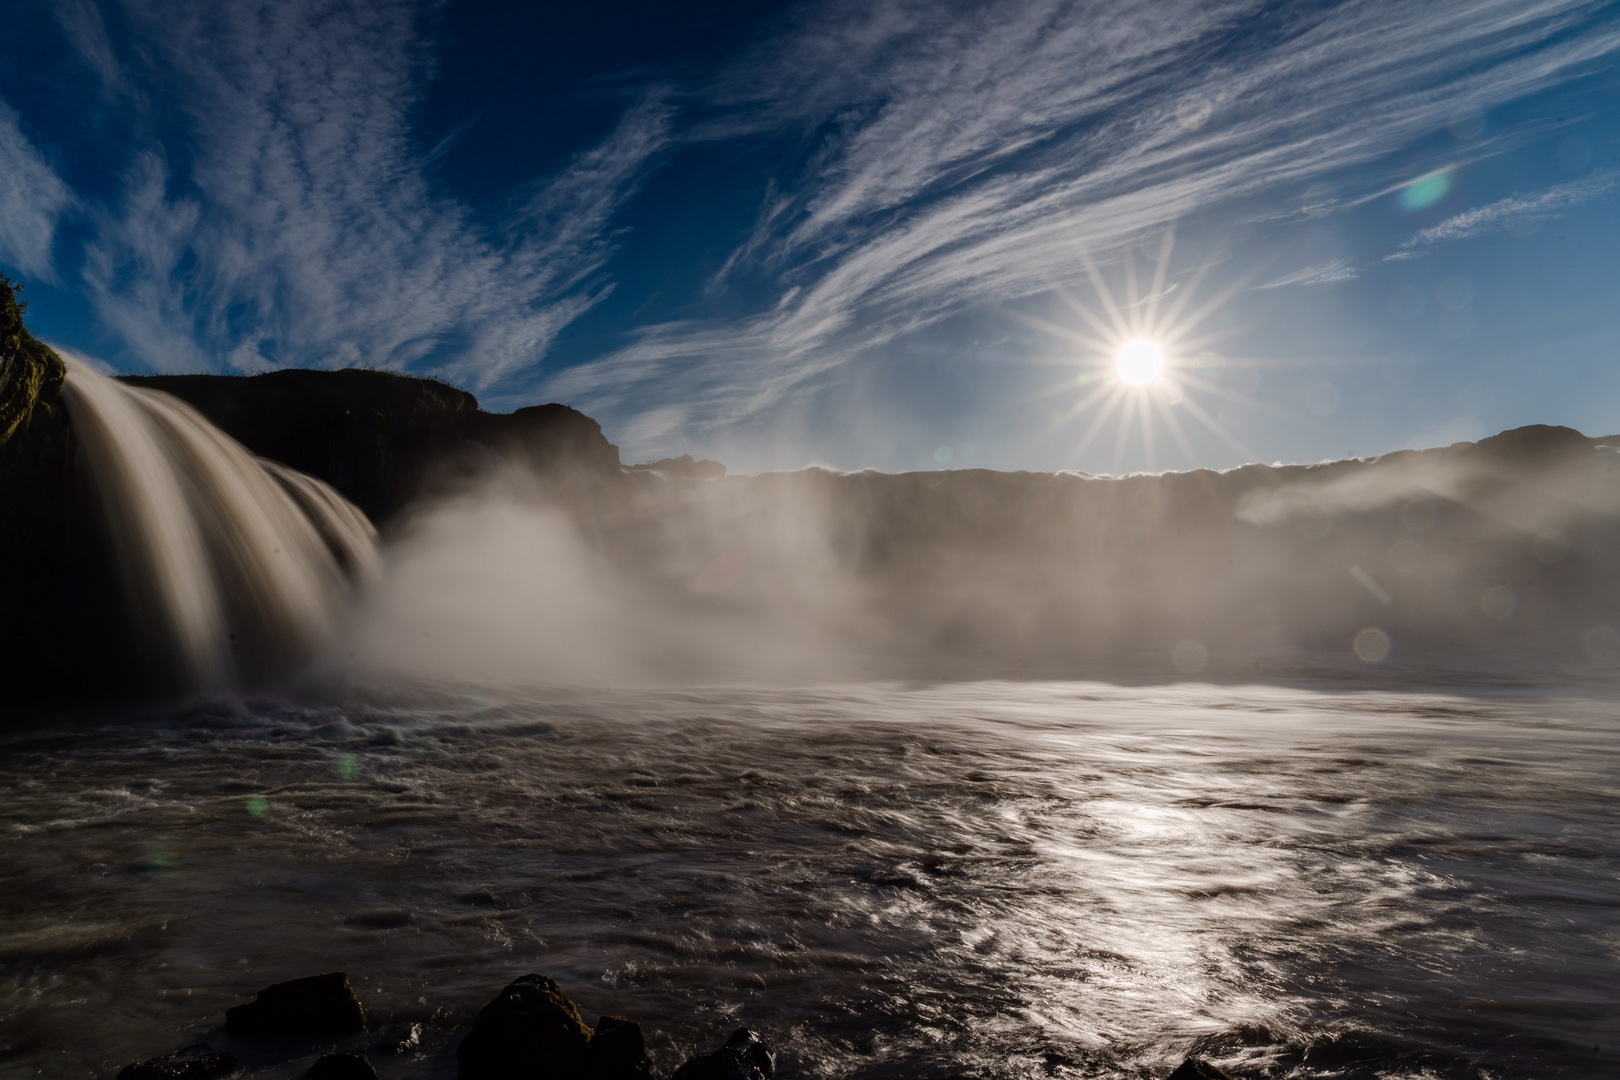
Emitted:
<point x="988" y="879"/>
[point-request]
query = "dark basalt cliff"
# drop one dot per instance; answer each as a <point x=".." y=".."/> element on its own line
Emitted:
<point x="381" y="438"/>
<point x="56" y="560"/>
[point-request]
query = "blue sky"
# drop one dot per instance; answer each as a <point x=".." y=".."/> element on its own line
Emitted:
<point x="897" y="235"/>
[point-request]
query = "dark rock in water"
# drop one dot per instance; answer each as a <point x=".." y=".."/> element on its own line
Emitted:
<point x="744" y="1057"/>
<point x="618" y="1051"/>
<point x="192" y="1063"/>
<point x="1198" y="1069"/>
<point x="341" y="1067"/>
<point x="310" y="1008"/>
<point x="380" y="438"/>
<point x="530" y="1031"/>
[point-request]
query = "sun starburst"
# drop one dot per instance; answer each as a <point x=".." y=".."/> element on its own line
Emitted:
<point x="1146" y="360"/>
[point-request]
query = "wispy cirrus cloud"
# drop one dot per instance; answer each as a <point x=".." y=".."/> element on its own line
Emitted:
<point x="276" y="208"/>
<point x="32" y="201"/>
<point x="86" y="28"/>
<point x="970" y="156"/>
<point x="1503" y="212"/>
<point x="1325" y="274"/>
<point x="300" y="225"/>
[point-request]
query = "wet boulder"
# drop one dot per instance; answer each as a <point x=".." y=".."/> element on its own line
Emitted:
<point x="197" y="1062"/>
<point x="341" y="1067"/>
<point x="744" y="1057"/>
<point x="618" y="1051"/>
<point x="319" y="1006"/>
<point x="1198" y="1069"/>
<point x="530" y="1031"/>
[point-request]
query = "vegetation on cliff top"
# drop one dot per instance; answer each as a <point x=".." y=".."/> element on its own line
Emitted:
<point x="30" y="373"/>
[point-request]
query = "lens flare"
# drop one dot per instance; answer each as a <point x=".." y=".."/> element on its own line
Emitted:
<point x="1139" y="362"/>
<point x="1426" y="190"/>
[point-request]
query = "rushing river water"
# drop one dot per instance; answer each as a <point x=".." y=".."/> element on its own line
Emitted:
<point x="988" y="879"/>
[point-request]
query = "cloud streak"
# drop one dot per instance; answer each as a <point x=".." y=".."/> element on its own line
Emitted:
<point x="969" y="158"/>
<point x="1326" y="274"/>
<point x="32" y="201"/>
<point x="1503" y="212"/>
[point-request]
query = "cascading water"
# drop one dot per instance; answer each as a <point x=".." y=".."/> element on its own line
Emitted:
<point x="237" y="568"/>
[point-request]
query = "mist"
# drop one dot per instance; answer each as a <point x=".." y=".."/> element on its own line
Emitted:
<point x="1458" y="558"/>
<point x="661" y="581"/>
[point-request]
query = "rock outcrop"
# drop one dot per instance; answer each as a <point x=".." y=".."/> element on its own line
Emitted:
<point x="618" y="1051"/>
<point x="341" y="1066"/>
<point x="744" y="1057"/>
<point x="315" y="1007"/>
<point x="381" y="438"/>
<point x="530" y="1031"/>
<point x="199" y="1062"/>
<point x="1198" y="1069"/>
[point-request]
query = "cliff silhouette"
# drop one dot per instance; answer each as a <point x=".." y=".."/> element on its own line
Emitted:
<point x="382" y="438"/>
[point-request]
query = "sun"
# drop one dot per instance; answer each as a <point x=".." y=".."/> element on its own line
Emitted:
<point x="1139" y="362"/>
<point x="1146" y="359"/>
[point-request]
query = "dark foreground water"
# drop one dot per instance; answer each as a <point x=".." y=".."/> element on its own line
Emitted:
<point x="990" y="879"/>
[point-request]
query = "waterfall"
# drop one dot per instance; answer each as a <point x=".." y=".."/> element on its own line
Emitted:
<point x="237" y="568"/>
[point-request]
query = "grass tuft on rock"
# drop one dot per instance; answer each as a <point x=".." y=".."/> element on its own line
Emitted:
<point x="31" y="374"/>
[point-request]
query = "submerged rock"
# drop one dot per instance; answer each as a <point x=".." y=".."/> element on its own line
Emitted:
<point x="618" y="1051"/>
<point x="192" y="1063"/>
<point x="1198" y="1069"/>
<point x="529" y="1031"/>
<point x="744" y="1057"/>
<point x="341" y="1067"/>
<point x="310" y="1008"/>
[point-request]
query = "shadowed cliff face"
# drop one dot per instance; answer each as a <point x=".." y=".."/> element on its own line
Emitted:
<point x="62" y="622"/>
<point x="384" y="439"/>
